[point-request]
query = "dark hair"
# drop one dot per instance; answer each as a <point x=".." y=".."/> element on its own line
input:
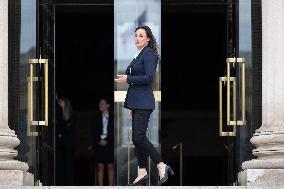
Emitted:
<point x="152" y="43"/>
<point x="105" y="99"/>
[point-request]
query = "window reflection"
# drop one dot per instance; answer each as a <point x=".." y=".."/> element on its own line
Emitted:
<point x="22" y="47"/>
<point x="129" y="14"/>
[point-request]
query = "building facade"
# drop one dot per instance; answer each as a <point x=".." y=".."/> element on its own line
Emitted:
<point x="219" y="117"/>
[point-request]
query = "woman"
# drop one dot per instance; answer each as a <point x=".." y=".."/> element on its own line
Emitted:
<point x="104" y="143"/>
<point x="65" y="143"/>
<point x="141" y="103"/>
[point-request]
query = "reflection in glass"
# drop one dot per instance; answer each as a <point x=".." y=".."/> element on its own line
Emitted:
<point x="129" y="14"/>
<point x="22" y="46"/>
<point x="245" y="51"/>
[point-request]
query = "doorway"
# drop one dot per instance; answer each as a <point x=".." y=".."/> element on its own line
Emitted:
<point x="194" y="51"/>
<point x="84" y="75"/>
<point x="192" y="60"/>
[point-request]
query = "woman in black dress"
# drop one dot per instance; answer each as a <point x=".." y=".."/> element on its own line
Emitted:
<point x="104" y="143"/>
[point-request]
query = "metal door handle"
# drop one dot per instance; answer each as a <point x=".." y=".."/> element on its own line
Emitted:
<point x="221" y="132"/>
<point x="31" y="95"/>
<point x="233" y="61"/>
<point x="227" y="80"/>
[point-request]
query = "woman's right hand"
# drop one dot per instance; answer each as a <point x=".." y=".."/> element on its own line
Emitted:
<point x="130" y="113"/>
<point x="121" y="79"/>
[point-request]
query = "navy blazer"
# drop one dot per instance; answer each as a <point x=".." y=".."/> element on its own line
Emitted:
<point x="140" y="75"/>
<point x="98" y="129"/>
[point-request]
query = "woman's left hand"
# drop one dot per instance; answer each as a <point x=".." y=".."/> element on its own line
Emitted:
<point x="121" y="79"/>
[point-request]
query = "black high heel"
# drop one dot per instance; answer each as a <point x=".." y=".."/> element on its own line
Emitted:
<point x="168" y="170"/>
<point x="141" y="182"/>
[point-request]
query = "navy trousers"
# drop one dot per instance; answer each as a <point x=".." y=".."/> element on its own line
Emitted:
<point x="143" y="147"/>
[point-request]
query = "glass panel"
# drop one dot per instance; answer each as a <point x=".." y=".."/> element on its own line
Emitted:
<point x="125" y="158"/>
<point x="128" y="15"/>
<point x="249" y="42"/>
<point x="240" y="25"/>
<point x="193" y="59"/>
<point x="27" y="51"/>
<point x="22" y="47"/>
<point x="46" y="139"/>
<point x="31" y="37"/>
<point x="245" y="51"/>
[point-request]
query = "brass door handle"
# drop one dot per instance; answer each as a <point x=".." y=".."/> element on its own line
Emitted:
<point x="241" y="62"/>
<point x="228" y="80"/>
<point x="221" y="132"/>
<point x="31" y="95"/>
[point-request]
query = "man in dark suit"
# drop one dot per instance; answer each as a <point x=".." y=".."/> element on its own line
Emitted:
<point x="104" y="143"/>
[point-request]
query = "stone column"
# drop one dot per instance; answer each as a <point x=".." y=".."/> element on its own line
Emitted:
<point x="12" y="172"/>
<point x="268" y="168"/>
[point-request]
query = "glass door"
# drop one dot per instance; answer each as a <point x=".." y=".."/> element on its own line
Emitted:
<point x="239" y="115"/>
<point x="32" y="68"/>
<point x="128" y="15"/>
<point x="46" y="93"/>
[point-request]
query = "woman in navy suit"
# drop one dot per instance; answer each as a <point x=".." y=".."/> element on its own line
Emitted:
<point x="141" y="103"/>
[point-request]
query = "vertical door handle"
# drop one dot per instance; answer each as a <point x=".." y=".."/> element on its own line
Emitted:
<point x="228" y="80"/>
<point x="241" y="62"/>
<point x="31" y="95"/>
<point x="221" y="132"/>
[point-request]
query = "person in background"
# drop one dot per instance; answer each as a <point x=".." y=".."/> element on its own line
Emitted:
<point x="104" y="143"/>
<point x="65" y="145"/>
